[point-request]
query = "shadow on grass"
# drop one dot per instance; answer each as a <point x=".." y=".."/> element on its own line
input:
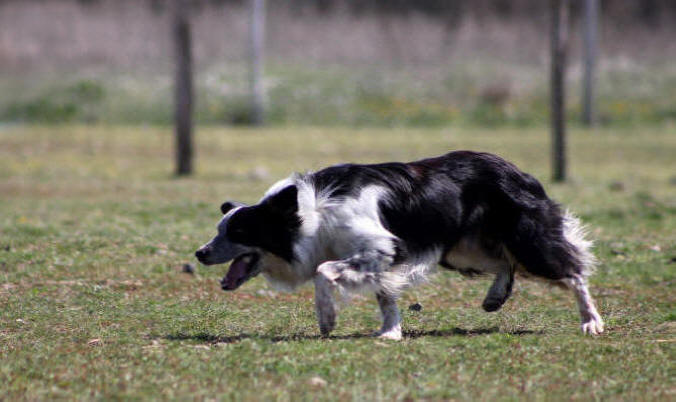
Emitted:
<point x="213" y="339"/>
<point x="466" y="332"/>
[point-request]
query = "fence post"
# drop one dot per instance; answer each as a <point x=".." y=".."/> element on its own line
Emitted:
<point x="559" y="39"/>
<point x="257" y="39"/>
<point x="183" y="88"/>
<point x="591" y="18"/>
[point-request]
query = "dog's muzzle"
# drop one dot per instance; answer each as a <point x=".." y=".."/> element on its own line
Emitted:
<point x="202" y="255"/>
<point x="243" y="268"/>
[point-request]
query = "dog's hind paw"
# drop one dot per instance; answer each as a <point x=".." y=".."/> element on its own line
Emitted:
<point x="594" y="326"/>
<point x="490" y="304"/>
<point x="499" y="292"/>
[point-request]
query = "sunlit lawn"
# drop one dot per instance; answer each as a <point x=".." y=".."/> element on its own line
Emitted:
<point x="94" y="231"/>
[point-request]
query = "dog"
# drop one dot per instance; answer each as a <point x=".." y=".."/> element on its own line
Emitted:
<point x="384" y="227"/>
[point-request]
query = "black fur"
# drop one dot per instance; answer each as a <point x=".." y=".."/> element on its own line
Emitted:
<point x="271" y="225"/>
<point x="434" y="202"/>
<point x="228" y="205"/>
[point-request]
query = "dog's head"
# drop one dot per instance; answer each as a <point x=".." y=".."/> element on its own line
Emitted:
<point x="247" y="233"/>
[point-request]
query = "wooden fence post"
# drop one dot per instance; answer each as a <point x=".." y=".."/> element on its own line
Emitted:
<point x="591" y="17"/>
<point x="559" y="39"/>
<point x="257" y="40"/>
<point x="183" y="88"/>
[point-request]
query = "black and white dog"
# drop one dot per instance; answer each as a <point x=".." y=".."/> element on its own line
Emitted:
<point x="384" y="227"/>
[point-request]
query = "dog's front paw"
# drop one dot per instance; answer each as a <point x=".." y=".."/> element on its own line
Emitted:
<point x="392" y="334"/>
<point x="327" y="323"/>
<point x="330" y="271"/>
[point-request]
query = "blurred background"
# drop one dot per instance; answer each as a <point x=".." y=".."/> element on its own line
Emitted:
<point x="332" y="62"/>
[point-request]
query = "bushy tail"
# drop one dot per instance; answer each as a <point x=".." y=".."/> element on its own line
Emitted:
<point x="576" y="234"/>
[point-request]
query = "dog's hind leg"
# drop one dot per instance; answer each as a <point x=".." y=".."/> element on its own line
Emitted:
<point x="391" y="319"/>
<point x="592" y="323"/>
<point x="500" y="290"/>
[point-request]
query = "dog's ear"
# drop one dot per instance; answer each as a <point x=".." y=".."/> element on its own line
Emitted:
<point x="286" y="201"/>
<point x="228" y="205"/>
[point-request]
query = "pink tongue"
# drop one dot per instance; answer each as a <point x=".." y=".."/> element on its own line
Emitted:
<point x="238" y="270"/>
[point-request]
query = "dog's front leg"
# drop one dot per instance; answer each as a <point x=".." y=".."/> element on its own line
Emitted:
<point x="360" y="270"/>
<point x="391" y="319"/>
<point x="326" y="308"/>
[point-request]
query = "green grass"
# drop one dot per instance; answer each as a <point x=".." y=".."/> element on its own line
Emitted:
<point x="94" y="230"/>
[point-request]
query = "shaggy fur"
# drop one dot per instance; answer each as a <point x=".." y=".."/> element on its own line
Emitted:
<point x="385" y="227"/>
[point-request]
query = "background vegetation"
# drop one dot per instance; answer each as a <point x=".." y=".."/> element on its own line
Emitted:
<point x="423" y="63"/>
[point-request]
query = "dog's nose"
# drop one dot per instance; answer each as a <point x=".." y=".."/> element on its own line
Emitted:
<point x="202" y="253"/>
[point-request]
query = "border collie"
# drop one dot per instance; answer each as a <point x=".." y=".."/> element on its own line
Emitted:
<point x="385" y="227"/>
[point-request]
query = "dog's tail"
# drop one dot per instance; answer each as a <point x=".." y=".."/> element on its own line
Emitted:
<point x="401" y="277"/>
<point x="551" y="244"/>
<point x="576" y="234"/>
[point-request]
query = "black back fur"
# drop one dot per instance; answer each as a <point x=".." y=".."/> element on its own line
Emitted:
<point x="434" y="202"/>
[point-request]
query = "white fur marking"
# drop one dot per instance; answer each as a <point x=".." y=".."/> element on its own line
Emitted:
<point x="282" y="275"/>
<point x="468" y="253"/>
<point x="308" y="209"/>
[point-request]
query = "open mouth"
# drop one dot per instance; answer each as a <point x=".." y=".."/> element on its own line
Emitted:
<point x="243" y="268"/>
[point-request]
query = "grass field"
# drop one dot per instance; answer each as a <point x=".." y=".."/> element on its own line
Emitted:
<point x="93" y="303"/>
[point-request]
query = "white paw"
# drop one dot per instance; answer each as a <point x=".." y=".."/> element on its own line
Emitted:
<point x="594" y="326"/>
<point x="393" y="334"/>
